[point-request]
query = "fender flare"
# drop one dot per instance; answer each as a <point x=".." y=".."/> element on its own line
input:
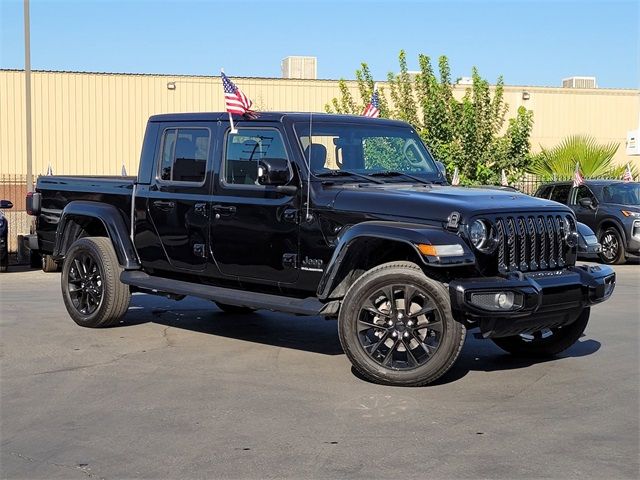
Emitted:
<point x="113" y="223"/>
<point x="407" y="233"/>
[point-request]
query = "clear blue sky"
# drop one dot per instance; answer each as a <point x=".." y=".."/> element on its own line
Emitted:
<point x="529" y="42"/>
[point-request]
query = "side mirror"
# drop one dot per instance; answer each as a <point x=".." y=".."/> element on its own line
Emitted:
<point x="585" y="203"/>
<point x="5" y="204"/>
<point x="442" y="169"/>
<point x="273" y="171"/>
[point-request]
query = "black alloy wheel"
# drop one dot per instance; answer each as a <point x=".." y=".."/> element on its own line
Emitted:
<point x="399" y="326"/>
<point x="612" y="247"/>
<point x="85" y="284"/>
<point x="90" y="281"/>
<point x="396" y="326"/>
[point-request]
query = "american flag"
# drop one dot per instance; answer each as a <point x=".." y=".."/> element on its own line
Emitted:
<point x="628" y="176"/>
<point x="578" y="179"/>
<point x="373" y="109"/>
<point x="456" y="177"/>
<point x="236" y="101"/>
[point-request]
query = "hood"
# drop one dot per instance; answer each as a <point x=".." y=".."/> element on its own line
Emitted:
<point x="436" y="202"/>
<point x="621" y="206"/>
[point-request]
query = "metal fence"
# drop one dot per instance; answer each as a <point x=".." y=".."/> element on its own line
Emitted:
<point x="14" y="188"/>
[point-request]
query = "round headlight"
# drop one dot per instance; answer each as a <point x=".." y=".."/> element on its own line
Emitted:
<point x="478" y="234"/>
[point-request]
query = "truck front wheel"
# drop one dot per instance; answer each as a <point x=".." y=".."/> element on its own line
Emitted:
<point x="396" y="326"/>
<point x="547" y="342"/>
<point x="91" y="287"/>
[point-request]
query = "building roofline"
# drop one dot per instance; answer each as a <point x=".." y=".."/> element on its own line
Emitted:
<point x="311" y="80"/>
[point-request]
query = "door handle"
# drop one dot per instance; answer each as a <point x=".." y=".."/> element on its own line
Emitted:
<point x="224" y="210"/>
<point x="164" y="204"/>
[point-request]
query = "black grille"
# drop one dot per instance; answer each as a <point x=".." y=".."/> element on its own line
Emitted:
<point x="532" y="242"/>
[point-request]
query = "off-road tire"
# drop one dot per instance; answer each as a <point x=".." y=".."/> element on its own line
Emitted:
<point x="618" y="257"/>
<point x="561" y="339"/>
<point x="408" y="274"/>
<point x="49" y="264"/>
<point x="115" y="295"/>
<point x="234" y="309"/>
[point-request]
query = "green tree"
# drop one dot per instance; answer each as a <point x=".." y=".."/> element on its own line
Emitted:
<point x="468" y="134"/>
<point x="596" y="160"/>
<point x="347" y="105"/>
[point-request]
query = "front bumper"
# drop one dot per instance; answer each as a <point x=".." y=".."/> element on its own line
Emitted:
<point x="545" y="299"/>
<point x="633" y="238"/>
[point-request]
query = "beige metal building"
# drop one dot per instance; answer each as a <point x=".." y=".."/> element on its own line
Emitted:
<point x="92" y="123"/>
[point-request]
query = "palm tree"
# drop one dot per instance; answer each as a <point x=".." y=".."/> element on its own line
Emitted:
<point x="596" y="160"/>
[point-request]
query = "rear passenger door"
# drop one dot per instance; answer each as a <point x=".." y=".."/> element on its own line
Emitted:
<point x="177" y="200"/>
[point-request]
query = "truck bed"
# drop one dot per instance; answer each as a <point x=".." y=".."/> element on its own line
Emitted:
<point x="57" y="191"/>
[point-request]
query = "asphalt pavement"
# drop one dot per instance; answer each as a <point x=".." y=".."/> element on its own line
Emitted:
<point x="181" y="390"/>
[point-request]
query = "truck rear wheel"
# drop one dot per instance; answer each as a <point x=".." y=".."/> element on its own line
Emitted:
<point x="547" y="342"/>
<point x="91" y="287"/>
<point x="396" y="326"/>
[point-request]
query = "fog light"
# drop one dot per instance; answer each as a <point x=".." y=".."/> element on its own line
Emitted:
<point x="497" y="301"/>
<point x="504" y="300"/>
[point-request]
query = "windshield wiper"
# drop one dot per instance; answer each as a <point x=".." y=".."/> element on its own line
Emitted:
<point x="347" y="173"/>
<point x="392" y="173"/>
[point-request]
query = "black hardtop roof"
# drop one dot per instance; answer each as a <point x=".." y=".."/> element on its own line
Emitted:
<point x="274" y="117"/>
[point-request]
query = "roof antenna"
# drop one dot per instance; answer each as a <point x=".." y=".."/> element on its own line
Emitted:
<point x="308" y="216"/>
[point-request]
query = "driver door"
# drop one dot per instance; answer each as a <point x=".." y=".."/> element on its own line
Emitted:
<point x="253" y="227"/>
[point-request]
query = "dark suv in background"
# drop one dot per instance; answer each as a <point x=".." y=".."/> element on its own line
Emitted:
<point x="610" y="207"/>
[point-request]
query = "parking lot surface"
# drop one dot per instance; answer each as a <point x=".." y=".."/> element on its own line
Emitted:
<point x="182" y="390"/>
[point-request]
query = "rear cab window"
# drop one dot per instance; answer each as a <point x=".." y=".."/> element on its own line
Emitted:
<point x="184" y="155"/>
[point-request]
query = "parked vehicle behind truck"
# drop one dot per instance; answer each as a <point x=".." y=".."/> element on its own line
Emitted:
<point x="611" y="208"/>
<point x="340" y="216"/>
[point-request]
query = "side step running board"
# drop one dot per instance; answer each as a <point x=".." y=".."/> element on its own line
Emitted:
<point x="300" y="306"/>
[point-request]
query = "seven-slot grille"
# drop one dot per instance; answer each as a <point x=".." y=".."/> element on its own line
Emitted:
<point x="532" y="242"/>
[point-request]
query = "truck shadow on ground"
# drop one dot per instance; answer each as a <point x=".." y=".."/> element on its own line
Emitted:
<point x="317" y="335"/>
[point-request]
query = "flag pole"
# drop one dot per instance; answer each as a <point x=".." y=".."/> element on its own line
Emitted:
<point x="233" y="128"/>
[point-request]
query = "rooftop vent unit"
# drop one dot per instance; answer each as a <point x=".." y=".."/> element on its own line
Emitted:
<point x="300" y="67"/>
<point x="579" y="82"/>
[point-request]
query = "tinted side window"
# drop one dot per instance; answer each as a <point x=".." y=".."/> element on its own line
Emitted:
<point x="184" y="155"/>
<point x="584" y="192"/>
<point x="244" y="151"/>
<point x="560" y="193"/>
<point x="544" y="192"/>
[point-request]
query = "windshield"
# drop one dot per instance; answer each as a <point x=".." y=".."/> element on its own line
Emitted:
<point x="365" y="150"/>
<point x="622" y="194"/>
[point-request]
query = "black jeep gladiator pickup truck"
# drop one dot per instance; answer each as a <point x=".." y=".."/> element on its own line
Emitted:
<point x="313" y="214"/>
